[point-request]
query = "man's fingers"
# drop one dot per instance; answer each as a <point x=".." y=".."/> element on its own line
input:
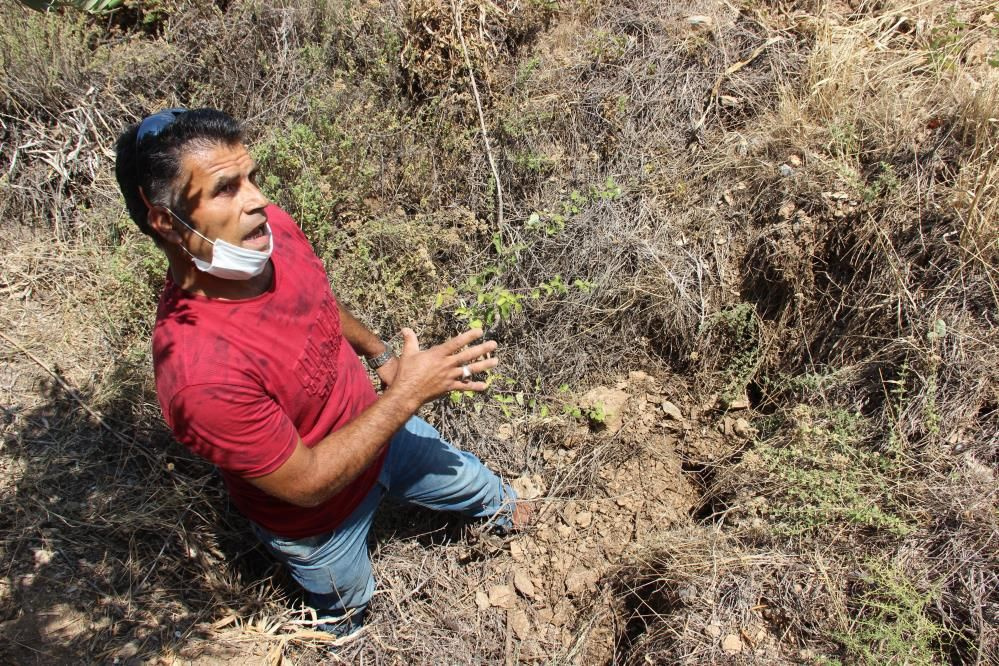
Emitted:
<point x="475" y="352"/>
<point x="410" y="345"/>
<point x="475" y="368"/>
<point x="478" y="387"/>
<point x="462" y="340"/>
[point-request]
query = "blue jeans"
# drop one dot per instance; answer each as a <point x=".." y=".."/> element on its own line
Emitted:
<point x="421" y="469"/>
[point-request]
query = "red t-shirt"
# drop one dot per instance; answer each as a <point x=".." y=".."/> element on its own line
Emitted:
<point x="240" y="381"/>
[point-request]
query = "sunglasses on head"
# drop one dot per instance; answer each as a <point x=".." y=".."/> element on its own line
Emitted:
<point x="152" y="125"/>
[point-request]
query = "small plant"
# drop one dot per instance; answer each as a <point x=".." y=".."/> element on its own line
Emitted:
<point x="844" y="141"/>
<point x="824" y="478"/>
<point x="551" y="225"/>
<point x="892" y="623"/>
<point x="735" y="333"/>
<point x="530" y="161"/>
<point x="945" y="41"/>
<point x="885" y="183"/>
<point x="526" y="70"/>
<point x="608" y="191"/>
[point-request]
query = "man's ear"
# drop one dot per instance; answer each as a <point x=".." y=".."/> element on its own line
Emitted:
<point x="160" y="221"/>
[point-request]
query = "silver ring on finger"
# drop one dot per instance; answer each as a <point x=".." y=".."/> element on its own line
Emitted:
<point x="465" y="372"/>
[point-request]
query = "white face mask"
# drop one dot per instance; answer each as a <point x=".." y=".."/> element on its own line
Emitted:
<point x="230" y="262"/>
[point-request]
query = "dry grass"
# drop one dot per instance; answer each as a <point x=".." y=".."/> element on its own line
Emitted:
<point x="797" y="201"/>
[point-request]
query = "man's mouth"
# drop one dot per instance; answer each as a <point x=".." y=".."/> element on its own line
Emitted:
<point x="258" y="232"/>
<point x="258" y="238"/>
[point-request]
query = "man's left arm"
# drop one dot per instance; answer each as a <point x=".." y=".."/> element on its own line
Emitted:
<point x="366" y="344"/>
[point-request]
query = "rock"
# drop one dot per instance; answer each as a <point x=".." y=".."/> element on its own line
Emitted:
<point x="517" y="551"/>
<point x="522" y="582"/>
<point x="979" y="52"/>
<point x="519" y="623"/>
<point x="637" y="376"/>
<point x="481" y="600"/>
<point x="700" y="21"/>
<point x="785" y="170"/>
<point x="42" y="556"/>
<point x="628" y="503"/>
<point x="581" y="579"/>
<point x="712" y="630"/>
<point x="731" y="644"/>
<point x="528" y="487"/>
<point x="738" y="404"/>
<point x="560" y="616"/>
<point x="584" y="518"/>
<point x="128" y="650"/>
<point x="564" y="531"/>
<point x="742" y="428"/>
<point x="672" y="411"/>
<point x="530" y="650"/>
<point x="501" y="596"/>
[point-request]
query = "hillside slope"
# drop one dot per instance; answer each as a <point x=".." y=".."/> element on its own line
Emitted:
<point x="740" y="259"/>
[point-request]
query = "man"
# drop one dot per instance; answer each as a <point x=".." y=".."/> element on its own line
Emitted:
<point x="257" y="368"/>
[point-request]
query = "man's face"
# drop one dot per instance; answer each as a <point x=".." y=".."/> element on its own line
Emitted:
<point x="221" y="198"/>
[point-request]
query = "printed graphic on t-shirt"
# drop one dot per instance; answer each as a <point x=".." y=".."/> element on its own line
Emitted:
<point x="317" y="366"/>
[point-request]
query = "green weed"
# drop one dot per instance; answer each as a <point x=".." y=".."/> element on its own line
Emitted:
<point x="945" y="41"/>
<point x="824" y="477"/>
<point x="885" y="183"/>
<point x="892" y="622"/>
<point x="735" y="332"/>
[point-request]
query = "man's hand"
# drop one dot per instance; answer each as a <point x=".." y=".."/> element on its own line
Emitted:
<point x="425" y="375"/>
<point x="386" y="373"/>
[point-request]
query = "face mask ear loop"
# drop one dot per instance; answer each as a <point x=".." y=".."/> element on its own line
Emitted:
<point x="175" y="216"/>
<point x="193" y="230"/>
<point x="187" y="252"/>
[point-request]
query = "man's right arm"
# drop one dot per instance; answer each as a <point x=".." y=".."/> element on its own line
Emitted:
<point x="310" y="476"/>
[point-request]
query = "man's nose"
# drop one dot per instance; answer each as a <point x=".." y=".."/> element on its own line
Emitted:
<point x="255" y="199"/>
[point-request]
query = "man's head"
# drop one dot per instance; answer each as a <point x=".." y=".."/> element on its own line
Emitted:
<point x="188" y="181"/>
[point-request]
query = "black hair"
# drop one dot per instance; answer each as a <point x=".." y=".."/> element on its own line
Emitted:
<point x="155" y="164"/>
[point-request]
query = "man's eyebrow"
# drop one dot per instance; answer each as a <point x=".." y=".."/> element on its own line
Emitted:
<point x="223" y="181"/>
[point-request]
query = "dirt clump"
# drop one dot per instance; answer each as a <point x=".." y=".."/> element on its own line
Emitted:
<point x="639" y="493"/>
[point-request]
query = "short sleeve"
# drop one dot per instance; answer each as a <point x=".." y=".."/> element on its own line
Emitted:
<point x="238" y="428"/>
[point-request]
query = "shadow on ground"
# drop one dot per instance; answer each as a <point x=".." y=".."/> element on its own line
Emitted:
<point x="116" y="542"/>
